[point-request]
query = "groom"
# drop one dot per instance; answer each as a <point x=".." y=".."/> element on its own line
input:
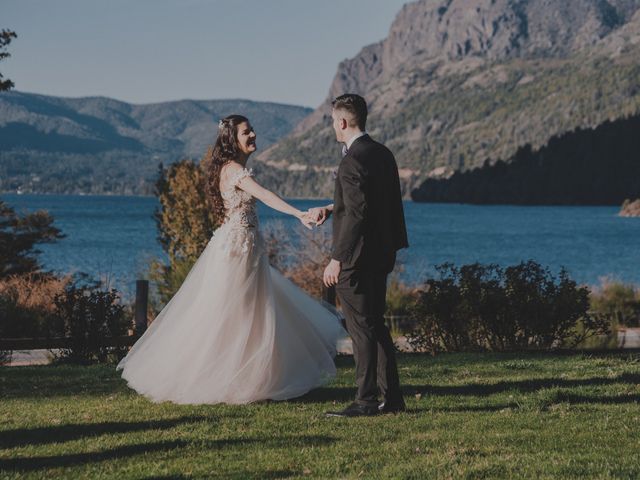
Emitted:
<point x="368" y="228"/>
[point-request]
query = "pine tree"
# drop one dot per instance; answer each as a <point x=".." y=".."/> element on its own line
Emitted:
<point x="19" y="235"/>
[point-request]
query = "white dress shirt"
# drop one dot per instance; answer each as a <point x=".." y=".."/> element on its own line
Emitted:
<point x="353" y="139"/>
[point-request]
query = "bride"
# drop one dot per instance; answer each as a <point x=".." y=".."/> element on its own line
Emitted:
<point x="236" y="331"/>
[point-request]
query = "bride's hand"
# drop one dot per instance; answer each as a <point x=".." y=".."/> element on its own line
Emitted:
<point x="305" y="219"/>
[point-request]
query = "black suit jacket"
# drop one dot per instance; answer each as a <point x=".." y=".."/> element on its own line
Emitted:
<point x="368" y="217"/>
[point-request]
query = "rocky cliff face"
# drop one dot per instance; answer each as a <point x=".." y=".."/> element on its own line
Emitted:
<point x="457" y="82"/>
<point x="475" y="32"/>
<point x="630" y="208"/>
<point x="499" y="29"/>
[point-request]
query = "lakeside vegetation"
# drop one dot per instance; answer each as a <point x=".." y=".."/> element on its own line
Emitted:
<point x="439" y="313"/>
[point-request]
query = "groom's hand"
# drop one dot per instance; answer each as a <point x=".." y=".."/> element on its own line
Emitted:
<point x="331" y="273"/>
<point x="319" y="214"/>
<point x="307" y="220"/>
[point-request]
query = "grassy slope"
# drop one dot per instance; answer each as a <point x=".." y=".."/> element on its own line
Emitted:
<point x="491" y="122"/>
<point x="479" y="416"/>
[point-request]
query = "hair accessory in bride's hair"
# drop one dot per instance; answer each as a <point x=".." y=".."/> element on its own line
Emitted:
<point x="221" y="124"/>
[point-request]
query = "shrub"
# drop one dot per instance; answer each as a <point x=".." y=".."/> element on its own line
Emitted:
<point x="27" y="303"/>
<point x="441" y="313"/>
<point x="486" y="307"/>
<point x="618" y="302"/>
<point x="400" y="301"/>
<point x="88" y="315"/>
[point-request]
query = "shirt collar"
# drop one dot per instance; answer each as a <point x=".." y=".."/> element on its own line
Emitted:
<point x="354" y="138"/>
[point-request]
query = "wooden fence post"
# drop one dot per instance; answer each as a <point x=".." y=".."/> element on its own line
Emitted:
<point x="142" y="302"/>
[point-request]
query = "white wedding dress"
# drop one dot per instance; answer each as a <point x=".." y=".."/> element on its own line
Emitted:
<point x="236" y="331"/>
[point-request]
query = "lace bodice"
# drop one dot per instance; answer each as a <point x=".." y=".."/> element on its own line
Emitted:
<point x="240" y="206"/>
<point x="240" y="226"/>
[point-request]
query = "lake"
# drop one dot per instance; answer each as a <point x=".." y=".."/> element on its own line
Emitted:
<point x="113" y="237"/>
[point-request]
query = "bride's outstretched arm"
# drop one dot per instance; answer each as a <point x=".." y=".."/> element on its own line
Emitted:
<point x="272" y="200"/>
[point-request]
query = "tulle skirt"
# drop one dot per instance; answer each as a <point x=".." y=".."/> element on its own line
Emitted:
<point x="236" y="331"/>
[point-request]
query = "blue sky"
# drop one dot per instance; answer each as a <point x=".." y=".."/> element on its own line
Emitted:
<point x="144" y="51"/>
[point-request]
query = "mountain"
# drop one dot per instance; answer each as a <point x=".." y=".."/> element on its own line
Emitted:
<point x="100" y="145"/>
<point x="460" y="85"/>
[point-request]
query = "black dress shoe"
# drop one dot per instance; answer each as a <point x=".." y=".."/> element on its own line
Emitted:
<point x="355" y="410"/>
<point x="392" y="407"/>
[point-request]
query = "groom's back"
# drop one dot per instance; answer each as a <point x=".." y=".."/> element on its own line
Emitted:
<point x="384" y="229"/>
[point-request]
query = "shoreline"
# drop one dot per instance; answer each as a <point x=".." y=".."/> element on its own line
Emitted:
<point x="49" y="194"/>
<point x="405" y="200"/>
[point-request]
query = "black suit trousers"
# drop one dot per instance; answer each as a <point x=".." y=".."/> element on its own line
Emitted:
<point x="362" y="296"/>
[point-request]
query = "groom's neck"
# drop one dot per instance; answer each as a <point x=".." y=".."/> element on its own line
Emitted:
<point x="351" y="135"/>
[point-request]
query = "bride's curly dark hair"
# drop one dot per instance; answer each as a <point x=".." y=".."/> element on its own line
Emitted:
<point x="223" y="151"/>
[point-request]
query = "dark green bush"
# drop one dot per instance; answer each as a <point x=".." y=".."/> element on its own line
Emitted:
<point x="88" y="315"/>
<point x="485" y="307"/>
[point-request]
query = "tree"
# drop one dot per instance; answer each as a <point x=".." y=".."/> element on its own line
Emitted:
<point x="19" y="235"/>
<point x="185" y="223"/>
<point x="5" y="39"/>
<point x="184" y="219"/>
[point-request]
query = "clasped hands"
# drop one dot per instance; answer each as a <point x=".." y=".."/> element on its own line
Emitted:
<point x="314" y="216"/>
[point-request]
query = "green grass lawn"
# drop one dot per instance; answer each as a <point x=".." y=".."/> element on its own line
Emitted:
<point x="470" y="416"/>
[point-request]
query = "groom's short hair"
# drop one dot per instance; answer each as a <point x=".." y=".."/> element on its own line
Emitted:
<point x="355" y="105"/>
